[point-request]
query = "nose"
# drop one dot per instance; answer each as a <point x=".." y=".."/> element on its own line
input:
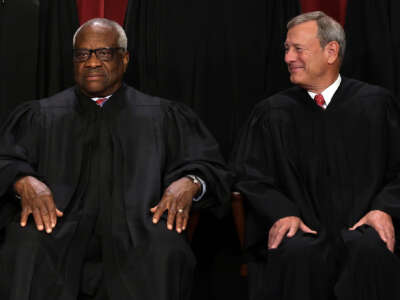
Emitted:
<point x="290" y="55"/>
<point x="93" y="61"/>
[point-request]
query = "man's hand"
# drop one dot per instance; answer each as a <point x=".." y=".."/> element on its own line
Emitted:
<point x="382" y="223"/>
<point x="285" y="226"/>
<point x="177" y="199"/>
<point x="36" y="199"/>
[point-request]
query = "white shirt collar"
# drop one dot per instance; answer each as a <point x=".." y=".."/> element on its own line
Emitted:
<point x="328" y="92"/>
<point x="97" y="98"/>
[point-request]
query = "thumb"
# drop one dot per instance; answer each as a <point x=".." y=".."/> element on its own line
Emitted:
<point x="154" y="208"/>
<point x="358" y="224"/>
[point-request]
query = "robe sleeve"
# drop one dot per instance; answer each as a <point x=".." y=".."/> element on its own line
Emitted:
<point x="19" y="140"/>
<point x="191" y="149"/>
<point x="255" y="161"/>
<point x="388" y="199"/>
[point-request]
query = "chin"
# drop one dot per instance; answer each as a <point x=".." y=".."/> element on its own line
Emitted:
<point x="92" y="89"/>
<point x="296" y="79"/>
<point x="293" y="79"/>
<point x="92" y="92"/>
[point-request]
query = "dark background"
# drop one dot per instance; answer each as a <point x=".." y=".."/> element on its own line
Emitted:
<point x="218" y="56"/>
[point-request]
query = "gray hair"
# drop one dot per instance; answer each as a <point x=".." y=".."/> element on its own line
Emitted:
<point x="122" y="40"/>
<point x="328" y="29"/>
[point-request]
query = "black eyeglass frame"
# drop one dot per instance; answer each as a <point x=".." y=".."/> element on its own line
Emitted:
<point x="95" y="51"/>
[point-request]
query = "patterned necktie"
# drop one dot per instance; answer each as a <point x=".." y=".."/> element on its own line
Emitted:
<point x="319" y="99"/>
<point x="101" y="101"/>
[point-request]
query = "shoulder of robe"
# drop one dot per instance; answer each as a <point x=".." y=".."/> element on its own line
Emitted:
<point x="364" y="90"/>
<point x="63" y="99"/>
<point x="167" y="106"/>
<point x="141" y="99"/>
<point x="169" y="109"/>
<point x="282" y="100"/>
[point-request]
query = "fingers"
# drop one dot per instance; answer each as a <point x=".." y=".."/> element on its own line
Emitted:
<point x="278" y="231"/>
<point x="158" y="212"/>
<point x="358" y="224"/>
<point x="43" y="210"/>
<point x="390" y="244"/>
<point x="306" y="229"/>
<point x="383" y="225"/>
<point x="185" y="220"/>
<point x="47" y="211"/>
<point x="391" y="238"/>
<point x="386" y="233"/>
<point x="276" y="238"/>
<point x="292" y="231"/>
<point x="38" y="219"/>
<point x="177" y="214"/>
<point x="178" y="204"/>
<point x="181" y="220"/>
<point x="46" y="219"/>
<point x="161" y="207"/>
<point x="24" y="216"/>
<point x="171" y="215"/>
<point x="286" y="226"/>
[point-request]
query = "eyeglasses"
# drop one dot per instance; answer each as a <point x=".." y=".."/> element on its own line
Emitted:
<point x="103" y="54"/>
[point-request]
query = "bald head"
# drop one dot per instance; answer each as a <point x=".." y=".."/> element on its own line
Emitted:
<point x="119" y="32"/>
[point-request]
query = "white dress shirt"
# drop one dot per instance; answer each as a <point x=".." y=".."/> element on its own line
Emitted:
<point x="328" y="92"/>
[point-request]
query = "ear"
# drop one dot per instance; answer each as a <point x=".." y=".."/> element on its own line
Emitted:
<point x="332" y="51"/>
<point x="125" y="60"/>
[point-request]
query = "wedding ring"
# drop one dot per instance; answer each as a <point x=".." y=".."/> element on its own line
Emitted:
<point x="180" y="210"/>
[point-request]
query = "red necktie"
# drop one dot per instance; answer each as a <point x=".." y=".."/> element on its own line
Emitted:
<point x="101" y="101"/>
<point x="319" y="99"/>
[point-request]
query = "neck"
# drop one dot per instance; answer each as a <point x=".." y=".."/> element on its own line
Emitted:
<point x="101" y="94"/>
<point x="322" y="85"/>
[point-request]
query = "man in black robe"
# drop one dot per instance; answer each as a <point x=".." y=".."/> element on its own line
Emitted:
<point x="321" y="178"/>
<point x="90" y="165"/>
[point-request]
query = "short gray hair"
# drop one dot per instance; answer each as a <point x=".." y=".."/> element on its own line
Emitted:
<point x="122" y="40"/>
<point x="328" y="29"/>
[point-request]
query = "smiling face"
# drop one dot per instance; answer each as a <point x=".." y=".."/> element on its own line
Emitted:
<point x="308" y="63"/>
<point x="98" y="78"/>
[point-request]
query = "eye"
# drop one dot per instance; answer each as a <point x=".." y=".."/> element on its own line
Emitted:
<point x="104" y="53"/>
<point x="80" y="54"/>
<point x="299" y="49"/>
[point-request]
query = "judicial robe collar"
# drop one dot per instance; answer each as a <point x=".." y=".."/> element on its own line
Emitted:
<point x="115" y="103"/>
<point x="337" y="97"/>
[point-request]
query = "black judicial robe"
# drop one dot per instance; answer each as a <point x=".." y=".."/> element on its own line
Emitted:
<point x="328" y="167"/>
<point x="106" y="167"/>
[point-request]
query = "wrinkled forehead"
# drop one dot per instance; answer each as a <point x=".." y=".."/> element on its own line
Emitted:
<point x="96" y="36"/>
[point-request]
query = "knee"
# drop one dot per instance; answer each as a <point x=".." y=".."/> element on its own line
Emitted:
<point x="171" y="245"/>
<point x="27" y="236"/>
<point x="368" y="245"/>
<point x="301" y="247"/>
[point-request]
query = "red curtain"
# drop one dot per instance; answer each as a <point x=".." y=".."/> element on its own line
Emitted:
<point x="110" y="9"/>
<point x="334" y="8"/>
<point x="115" y="9"/>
